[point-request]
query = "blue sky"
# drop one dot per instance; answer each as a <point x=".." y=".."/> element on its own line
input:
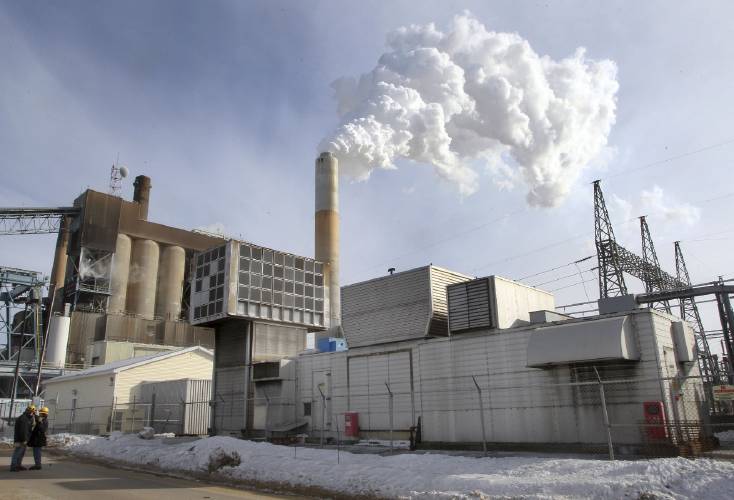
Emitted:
<point x="223" y="105"/>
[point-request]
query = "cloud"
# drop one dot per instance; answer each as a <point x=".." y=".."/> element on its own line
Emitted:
<point x="450" y="98"/>
<point x="655" y="204"/>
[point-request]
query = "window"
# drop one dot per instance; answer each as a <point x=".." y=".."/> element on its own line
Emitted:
<point x="307" y="409"/>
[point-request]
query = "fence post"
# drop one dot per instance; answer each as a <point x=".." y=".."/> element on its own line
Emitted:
<point x="605" y="414"/>
<point x="323" y="414"/>
<point x="481" y="414"/>
<point x="151" y="415"/>
<point x="132" y="425"/>
<point x="112" y="414"/>
<point x="91" y="419"/>
<point x="337" y="438"/>
<point x="267" y="413"/>
<point x="390" y="407"/>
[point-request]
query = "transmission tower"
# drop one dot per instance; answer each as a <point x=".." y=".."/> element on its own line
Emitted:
<point x="653" y="277"/>
<point x="689" y="312"/>
<point x="611" y="279"/>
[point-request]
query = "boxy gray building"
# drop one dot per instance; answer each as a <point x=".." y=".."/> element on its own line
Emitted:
<point x="537" y="370"/>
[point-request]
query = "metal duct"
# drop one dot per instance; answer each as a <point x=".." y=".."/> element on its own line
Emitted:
<point x="58" y="337"/>
<point x="141" y="195"/>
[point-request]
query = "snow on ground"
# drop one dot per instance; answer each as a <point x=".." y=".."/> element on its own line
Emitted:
<point x="404" y="445"/>
<point x="424" y="475"/>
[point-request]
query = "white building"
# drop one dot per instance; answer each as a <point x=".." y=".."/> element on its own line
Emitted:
<point x="109" y="397"/>
<point x="537" y="369"/>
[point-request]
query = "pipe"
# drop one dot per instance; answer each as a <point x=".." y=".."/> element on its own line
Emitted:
<point x="141" y="195"/>
<point x="327" y="234"/>
<point x="58" y="271"/>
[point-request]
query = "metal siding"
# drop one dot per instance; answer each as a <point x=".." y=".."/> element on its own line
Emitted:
<point x="230" y="379"/>
<point x="469" y="305"/>
<point x="387" y="309"/>
<point x="440" y="279"/>
<point x="191" y="364"/>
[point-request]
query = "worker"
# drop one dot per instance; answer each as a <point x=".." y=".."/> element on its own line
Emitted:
<point x="38" y="436"/>
<point x="23" y="428"/>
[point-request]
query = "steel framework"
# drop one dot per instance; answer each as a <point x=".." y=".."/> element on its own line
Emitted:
<point x="653" y="277"/>
<point x="611" y="279"/>
<point x="33" y="220"/>
<point x="615" y="260"/>
<point x="689" y="312"/>
<point x="21" y="293"/>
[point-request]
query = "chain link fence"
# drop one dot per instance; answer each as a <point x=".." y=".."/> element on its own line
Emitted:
<point x="597" y="410"/>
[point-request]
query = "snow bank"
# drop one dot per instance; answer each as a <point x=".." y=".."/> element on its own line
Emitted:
<point x="422" y="475"/>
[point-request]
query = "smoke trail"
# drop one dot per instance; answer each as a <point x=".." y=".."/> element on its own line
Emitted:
<point x="450" y="99"/>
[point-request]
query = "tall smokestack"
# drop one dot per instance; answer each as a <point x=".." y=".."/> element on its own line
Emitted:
<point x="327" y="232"/>
<point x="141" y="195"/>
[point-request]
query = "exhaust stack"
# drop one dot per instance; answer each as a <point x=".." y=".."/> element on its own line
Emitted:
<point x="327" y="233"/>
<point x="141" y="195"/>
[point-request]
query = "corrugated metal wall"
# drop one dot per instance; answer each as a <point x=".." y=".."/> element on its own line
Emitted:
<point x="440" y="279"/>
<point x="387" y="309"/>
<point x="522" y="405"/>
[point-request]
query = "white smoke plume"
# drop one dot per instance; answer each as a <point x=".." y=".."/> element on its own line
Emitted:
<point x="451" y="98"/>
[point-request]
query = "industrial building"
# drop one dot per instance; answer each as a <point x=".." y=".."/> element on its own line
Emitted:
<point x="117" y="395"/>
<point x="262" y="302"/>
<point x="408" y="367"/>
<point x="427" y="353"/>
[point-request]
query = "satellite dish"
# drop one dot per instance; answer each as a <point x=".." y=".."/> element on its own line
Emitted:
<point x="123" y="172"/>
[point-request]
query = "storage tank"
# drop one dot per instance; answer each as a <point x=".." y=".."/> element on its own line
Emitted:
<point x="170" y="283"/>
<point x="58" y="338"/>
<point x="119" y="274"/>
<point x="143" y="278"/>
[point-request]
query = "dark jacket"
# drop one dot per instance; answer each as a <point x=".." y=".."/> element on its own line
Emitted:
<point x="38" y="435"/>
<point x="23" y="428"/>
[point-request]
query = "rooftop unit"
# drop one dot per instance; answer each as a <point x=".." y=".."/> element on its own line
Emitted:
<point x="239" y="279"/>
<point x="493" y="303"/>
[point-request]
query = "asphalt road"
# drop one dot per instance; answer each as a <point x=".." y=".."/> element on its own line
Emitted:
<point x="64" y="478"/>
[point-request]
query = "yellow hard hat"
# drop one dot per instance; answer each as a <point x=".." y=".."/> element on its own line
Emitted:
<point x="31" y="407"/>
<point x="43" y="411"/>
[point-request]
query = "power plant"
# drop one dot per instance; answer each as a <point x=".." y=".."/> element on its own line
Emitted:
<point x="401" y="351"/>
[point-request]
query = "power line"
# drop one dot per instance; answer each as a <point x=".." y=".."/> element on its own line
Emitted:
<point x="672" y="158"/>
<point x="565" y="276"/>
<point x="557" y="268"/>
